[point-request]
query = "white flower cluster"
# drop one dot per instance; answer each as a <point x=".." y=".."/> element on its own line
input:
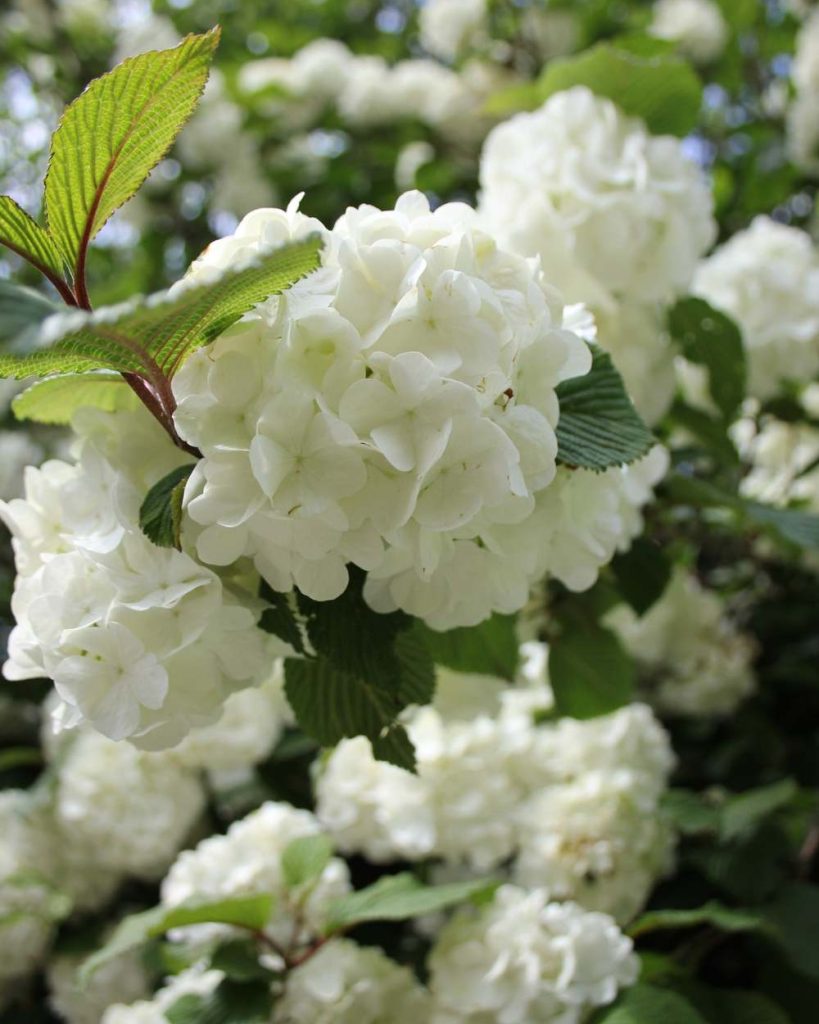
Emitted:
<point x="568" y="183"/>
<point x="802" y="123"/>
<point x="526" y="960"/>
<point x="574" y="803"/>
<point x="142" y="642"/>
<point x="696" y="26"/>
<point x="120" y="980"/>
<point x="367" y="92"/>
<point x="17" y="450"/>
<point x="247" y="859"/>
<point x="397" y="410"/>
<point x="193" y="982"/>
<point x="449" y="27"/>
<point x="767" y="279"/>
<point x="344" y="983"/>
<point x="692" y="658"/>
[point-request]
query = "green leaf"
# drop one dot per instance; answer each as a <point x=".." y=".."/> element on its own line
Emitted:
<point x="395" y="747"/>
<point x="598" y="426"/>
<point x="589" y="670"/>
<point x="22" y="311"/>
<point x="648" y="1004"/>
<point x="488" y="649"/>
<point x="794" y="918"/>
<point x="231" y="1002"/>
<point x="238" y="959"/>
<point x="740" y="1007"/>
<point x="279" y="618"/>
<point x="160" y="516"/>
<point x="711" y="431"/>
<point x="642" y="574"/>
<point x="711" y="339"/>
<point x="112" y="135"/>
<point x="661" y="89"/>
<point x="400" y="898"/>
<point x="714" y="914"/>
<point x="152" y="336"/>
<point x="247" y="911"/>
<point x="56" y="399"/>
<point x="746" y="811"/>
<point x="25" y="237"/>
<point x="20" y="757"/>
<point x="304" y="859"/>
<point x="690" y="812"/>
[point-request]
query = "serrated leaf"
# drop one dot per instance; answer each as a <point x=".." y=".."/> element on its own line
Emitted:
<point x="304" y="859"/>
<point x="743" y="812"/>
<point x="661" y="89"/>
<point x="22" y="311"/>
<point x="649" y="1004"/>
<point x="715" y="914"/>
<point x="400" y="898"/>
<point x="24" y="236"/>
<point x="153" y="335"/>
<point x="246" y="911"/>
<point x="231" y="1002"/>
<point x="160" y="515"/>
<point x="590" y="672"/>
<point x="395" y="747"/>
<point x="642" y="574"/>
<point x="114" y="133"/>
<point x="488" y="649"/>
<point x="599" y="426"/>
<point x="54" y="400"/>
<point x="711" y="339"/>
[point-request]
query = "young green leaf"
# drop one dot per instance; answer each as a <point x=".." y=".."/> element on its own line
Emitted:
<point x="401" y="897"/>
<point x="25" y="237"/>
<point x="160" y="517"/>
<point x="153" y="336"/>
<point x="598" y="426"/>
<point x="113" y="134"/>
<point x="589" y="670"/>
<point x="660" y="88"/>
<point x="304" y="859"/>
<point x="488" y="649"/>
<point x="56" y="399"/>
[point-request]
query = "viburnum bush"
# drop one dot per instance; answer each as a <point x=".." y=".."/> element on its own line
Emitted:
<point x="411" y="591"/>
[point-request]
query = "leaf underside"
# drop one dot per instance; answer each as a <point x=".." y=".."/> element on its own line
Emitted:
<point x="24" y="236"/>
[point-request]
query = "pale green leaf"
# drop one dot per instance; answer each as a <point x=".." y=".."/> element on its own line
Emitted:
<point x="598" y="426"/>
<point x="24" y="236"/>
<point x="304" y="859"/>
<point x="56" y="399"/>
<point x="114" y="133"/>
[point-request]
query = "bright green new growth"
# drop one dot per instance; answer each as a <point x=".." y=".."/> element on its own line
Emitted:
<point x="25" y="237"/>
<point x="56" y="399"/>
<point x="110" y="138"/>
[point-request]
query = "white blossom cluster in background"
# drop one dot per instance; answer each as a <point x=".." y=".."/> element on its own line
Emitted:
<point x="397" y="410"/>
<point x="568" y="183"/>
<point x="573" y="805"/>
<point x="802" y="123"/>
<point x="696" y="26"/>
<point x="449" y="27"/>
<point x="767" y="279"/>
<point x="692" y="659"/>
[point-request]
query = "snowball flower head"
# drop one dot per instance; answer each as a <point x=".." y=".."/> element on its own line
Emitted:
<point x="570" y="181"/>
<point x="450" y="26"/>
<point x="696" y="26"/>
<point x="526" y="960"/>
<point x="767" y="279"/>
<point x="395" y="410"/>
<point x="348" y="984"/>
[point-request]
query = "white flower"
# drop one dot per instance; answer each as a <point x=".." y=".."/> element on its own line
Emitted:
<point x="569" y="181"/>
<point x="524" y="960"/>
<point x="396" y="410"/>
<point x="120" y="980"/>
<point x="593" y="841"/>
<point x="696" y="26"/>
<point x="17" y="450"/>
<point x="780" y="456"/>
<point x="692" y="659"/>
<point x="125" y="810"/>
<point x="194" y="981"/>
<point x="802" y="133"/>
<point x="767" y="279"/>
<point x="247" y="859"/>
<point x="450" y="26"/>
<point x="348" y="984"/>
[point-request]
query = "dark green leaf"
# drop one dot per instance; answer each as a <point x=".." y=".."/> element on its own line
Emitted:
<point x="56" y="399"/>
<point x="231" y="1002"/>
<point x="395" y="747"/>
<point x="649" y="1004"/>
<point x="745" y="811"/>
<point x="279" y="619"/>
<point x="19" y="757"/>
<point x="598" y="426"/>
<point x="711" y="339"/>
<point x="710" y="431"/>
<point x="794" y="920"/>
<point x="304" y="859"/>
<point x="160" y="516"/>
<point x="399" y="898"/>
<point x="642" y="574"/>
<point x="589" y="670"/>
<point x="690" y="812"/>
<point x="716" y="915"/>
<point x="239" y="959"/>
<point x="661" y="89"/>
<point x="738" y="1007"/>
<point x="488" y="649"/>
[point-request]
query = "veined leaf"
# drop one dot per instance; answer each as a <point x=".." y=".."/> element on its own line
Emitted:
<point x="590" y="672"/>
<point x="56" y="399"/>
<point x="112" y="135"/>
<point x="231" y="1002"/>
<point x="153" y="335"/>
<point x="160" y="516"/>
<point x="488" y="649"/>
<point x="304" y="859"/>
<point x="598" y="426"/>
<point x="24" y="236"/>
